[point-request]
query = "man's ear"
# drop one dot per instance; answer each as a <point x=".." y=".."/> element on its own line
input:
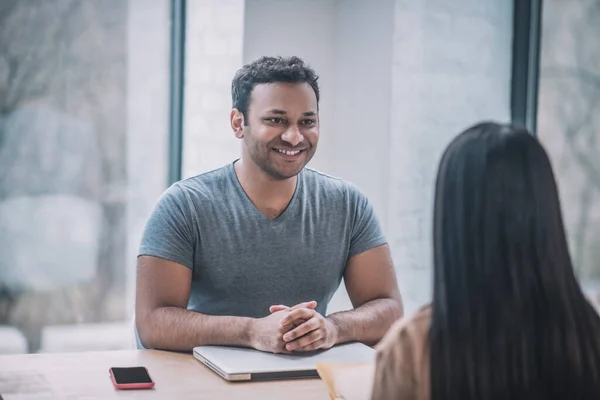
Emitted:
<point x="236" y="118"/>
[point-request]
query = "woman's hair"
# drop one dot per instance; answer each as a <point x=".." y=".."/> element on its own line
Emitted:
<point x="509" y="320"/>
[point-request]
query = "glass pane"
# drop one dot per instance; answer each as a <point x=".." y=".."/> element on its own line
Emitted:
<point x="569" y="124"/>
<point x="83" y="103"/>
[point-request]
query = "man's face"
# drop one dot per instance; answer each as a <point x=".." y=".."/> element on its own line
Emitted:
<point x="282" y="129"/>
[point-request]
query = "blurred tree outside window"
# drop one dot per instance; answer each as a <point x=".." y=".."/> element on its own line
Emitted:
<point x="569" y="124"/>
<point x="64" y="156"/>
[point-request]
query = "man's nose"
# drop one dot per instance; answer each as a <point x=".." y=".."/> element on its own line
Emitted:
<point x="292" y="135"/>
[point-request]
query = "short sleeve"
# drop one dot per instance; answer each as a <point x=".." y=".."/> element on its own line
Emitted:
<point x="168" y="233"/>
<point x="366" y="228"/>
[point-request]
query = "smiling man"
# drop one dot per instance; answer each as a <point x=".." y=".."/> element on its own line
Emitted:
<point x="250" y="254"/>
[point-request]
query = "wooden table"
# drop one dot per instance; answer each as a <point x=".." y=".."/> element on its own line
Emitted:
<point x="177" y="376"/>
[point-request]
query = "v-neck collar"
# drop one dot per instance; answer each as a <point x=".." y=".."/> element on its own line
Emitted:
<point x="289" y="209"/>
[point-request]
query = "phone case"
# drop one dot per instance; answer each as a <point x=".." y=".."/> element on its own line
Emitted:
<point x="126" y="386"/>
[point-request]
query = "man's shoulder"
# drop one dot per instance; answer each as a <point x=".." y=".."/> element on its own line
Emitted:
<point x="332" y="185"/>
<point x="325" y="181"/>
<point x="205" y="185"/>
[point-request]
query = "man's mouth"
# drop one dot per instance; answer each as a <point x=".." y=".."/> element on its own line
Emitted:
<point x="288" y="152"/>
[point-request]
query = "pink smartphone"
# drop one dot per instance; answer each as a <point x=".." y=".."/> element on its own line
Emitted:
<point x="131" y="378"/>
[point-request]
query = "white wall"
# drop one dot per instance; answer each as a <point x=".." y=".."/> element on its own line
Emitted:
<point x="349" y="44"/>
<point x="451" y="68"/>
<point x="214" y="44"/>
<point x="363" y="73"/>
<point x="303" y="28"/>
<point x="363" y="56"/>
<point x="147" y="121"/>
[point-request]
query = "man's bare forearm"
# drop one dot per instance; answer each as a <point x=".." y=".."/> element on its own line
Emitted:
<point x="367" y="323"/>
<point x="173" y="328"/>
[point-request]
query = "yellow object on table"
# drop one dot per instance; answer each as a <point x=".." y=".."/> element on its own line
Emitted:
<point x="348" y="381"/>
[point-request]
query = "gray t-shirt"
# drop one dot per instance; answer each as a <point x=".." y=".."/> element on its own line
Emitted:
<point x="244" y="262"/>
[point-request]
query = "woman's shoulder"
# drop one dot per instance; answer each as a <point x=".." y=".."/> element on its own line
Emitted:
<point x="402" y="359"/>
<point x="411" y="328"/>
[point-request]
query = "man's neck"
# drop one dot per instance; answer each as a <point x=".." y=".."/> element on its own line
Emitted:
<point x="267" y="194"/>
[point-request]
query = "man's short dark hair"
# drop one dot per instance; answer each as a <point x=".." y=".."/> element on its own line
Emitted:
<point x="269" y="70"/>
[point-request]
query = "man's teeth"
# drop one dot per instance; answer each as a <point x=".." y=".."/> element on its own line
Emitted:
<point x="288" y="152"/>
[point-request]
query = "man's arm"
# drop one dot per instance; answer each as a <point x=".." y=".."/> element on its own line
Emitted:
<point x="372" y="287"/>
<point x="163" y="322"/>
<point x="373" y="290"/>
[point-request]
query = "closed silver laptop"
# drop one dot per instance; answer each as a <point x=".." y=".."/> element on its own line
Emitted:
<point x="243" y="364"/>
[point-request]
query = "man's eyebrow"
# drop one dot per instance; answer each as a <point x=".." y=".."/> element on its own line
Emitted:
<point x="282" y="112"/>
<point x="278" y="112"/>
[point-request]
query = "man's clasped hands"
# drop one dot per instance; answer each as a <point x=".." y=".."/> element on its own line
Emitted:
<point x="296" y="328"/>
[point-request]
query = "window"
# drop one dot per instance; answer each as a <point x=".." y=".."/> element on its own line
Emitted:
<point x="569" y="124"/>
<point x="83" y="139"/>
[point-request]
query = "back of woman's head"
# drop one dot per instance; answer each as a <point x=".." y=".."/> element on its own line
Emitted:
<point x="509" y="318"/>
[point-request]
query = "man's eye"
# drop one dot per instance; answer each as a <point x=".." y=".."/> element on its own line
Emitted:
<point x="309" y="122"/>
<point x="275" y="120"/>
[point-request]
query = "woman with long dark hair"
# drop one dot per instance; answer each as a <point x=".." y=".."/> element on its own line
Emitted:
<point x="508" y="318"/>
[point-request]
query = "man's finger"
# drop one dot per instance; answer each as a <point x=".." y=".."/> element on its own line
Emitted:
<point x="301" y="330"/>
<point x="301" y="313"/>
<point x="312" y="346"/>
<point x="280" y="307"/>
<point x="309" y="304"/>
<point x="292" y="324"/>
<point x="305" y="341"/>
